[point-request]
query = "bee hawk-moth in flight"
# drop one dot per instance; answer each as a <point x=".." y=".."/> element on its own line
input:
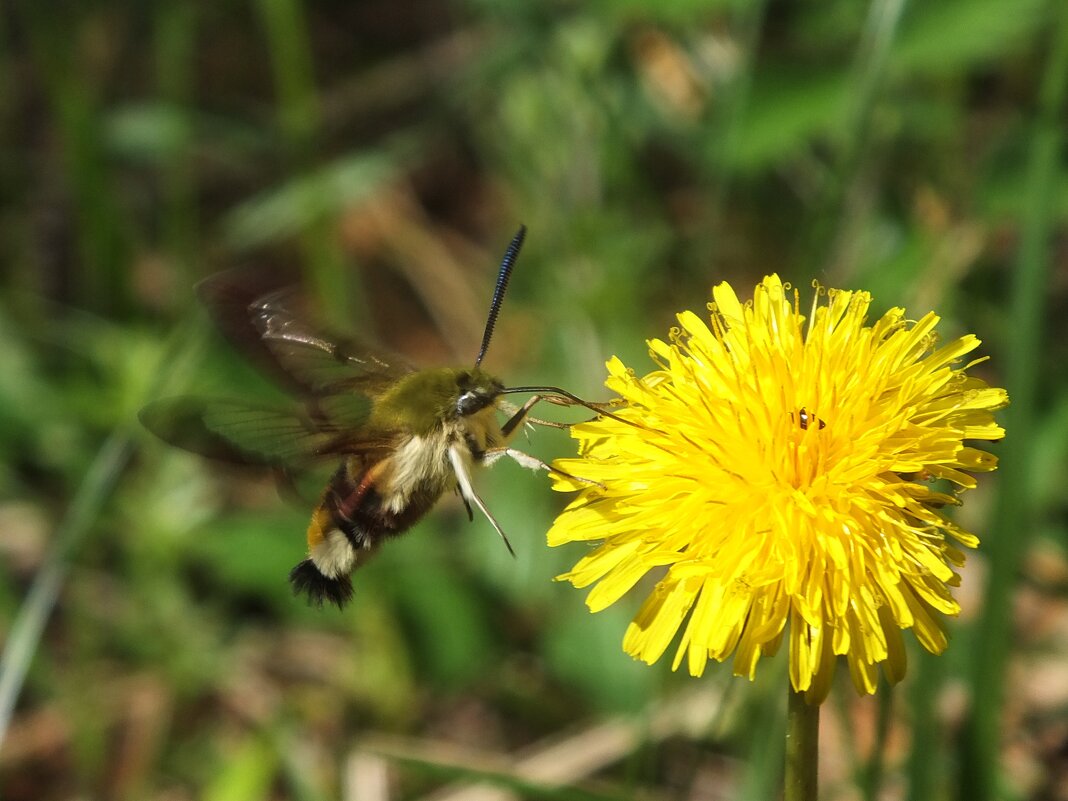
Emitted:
<point x="400" y="437"/>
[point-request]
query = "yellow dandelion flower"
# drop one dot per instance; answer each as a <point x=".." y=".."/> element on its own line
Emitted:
<point x="781" y="471"/>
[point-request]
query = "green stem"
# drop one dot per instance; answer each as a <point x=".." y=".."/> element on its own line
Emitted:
<point x="840" y="209"/>
<point x="802" y="748"/>
<point x="74" y="94"/>
<point x="299" y="120"/>
<point x="176" y="30"/>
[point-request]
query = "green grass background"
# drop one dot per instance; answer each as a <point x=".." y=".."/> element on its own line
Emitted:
<point x="386" y="151"/>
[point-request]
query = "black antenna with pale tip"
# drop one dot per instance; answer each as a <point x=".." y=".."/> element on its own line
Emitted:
<point x="503" y="275"/>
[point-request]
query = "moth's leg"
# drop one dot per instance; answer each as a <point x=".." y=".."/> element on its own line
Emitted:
<point x="517" y="419"/>
<point x="463" y="479"/>
<point x="547" y="423"/>
<point x="532" y="463"/>
<point x="467" y="505"/>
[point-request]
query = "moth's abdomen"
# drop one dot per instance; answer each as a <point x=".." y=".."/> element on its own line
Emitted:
<point x="324" y="575"/>
<point x="307" y="579"/>
<point x="351" y="521"/>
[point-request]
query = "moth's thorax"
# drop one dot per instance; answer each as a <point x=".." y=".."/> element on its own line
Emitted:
<point x="419" y="465"/>
<point x="428" y="399"/>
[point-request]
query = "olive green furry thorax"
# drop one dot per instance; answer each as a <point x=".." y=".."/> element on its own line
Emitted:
<point x="423" y="400"/>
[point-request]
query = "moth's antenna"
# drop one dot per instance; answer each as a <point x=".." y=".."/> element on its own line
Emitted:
<point x="503" y="275"/>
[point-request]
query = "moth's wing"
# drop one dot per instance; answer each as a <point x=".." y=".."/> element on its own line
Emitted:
<point x="242" y="433"/>
<point x="228" y="296"/>
<point x="323" y="363"/>
<point x="271" y="331"/>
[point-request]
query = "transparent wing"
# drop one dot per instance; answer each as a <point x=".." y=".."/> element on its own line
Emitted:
<point x="240" y="433"/>
<point x="271" y="331"/>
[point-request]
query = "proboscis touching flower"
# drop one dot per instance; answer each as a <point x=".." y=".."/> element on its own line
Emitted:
<point x="790" y="476"/>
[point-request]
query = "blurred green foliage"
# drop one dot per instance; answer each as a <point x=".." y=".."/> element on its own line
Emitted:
<point x="385" y="151"/>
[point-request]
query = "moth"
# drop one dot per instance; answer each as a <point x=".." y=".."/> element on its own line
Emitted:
<point x="400" y="437"/>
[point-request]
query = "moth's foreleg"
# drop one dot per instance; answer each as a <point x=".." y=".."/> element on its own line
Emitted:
<point x="517" y="419"/>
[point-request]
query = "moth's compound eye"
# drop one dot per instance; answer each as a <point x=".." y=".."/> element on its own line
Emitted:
<point x="469" y="402"/>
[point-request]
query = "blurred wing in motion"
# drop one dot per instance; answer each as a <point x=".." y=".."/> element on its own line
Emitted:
<point x="302" y="359"/>
<point x="240" y="433"/>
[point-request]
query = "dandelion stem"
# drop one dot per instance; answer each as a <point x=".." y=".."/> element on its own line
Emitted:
<point x="802" y="748"/>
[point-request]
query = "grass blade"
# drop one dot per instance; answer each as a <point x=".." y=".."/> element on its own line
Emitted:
<point x="1014" y="515"/>
<point x="30" y="622"/>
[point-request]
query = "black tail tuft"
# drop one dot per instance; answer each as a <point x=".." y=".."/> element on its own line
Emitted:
<point x="308" y="580"/>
